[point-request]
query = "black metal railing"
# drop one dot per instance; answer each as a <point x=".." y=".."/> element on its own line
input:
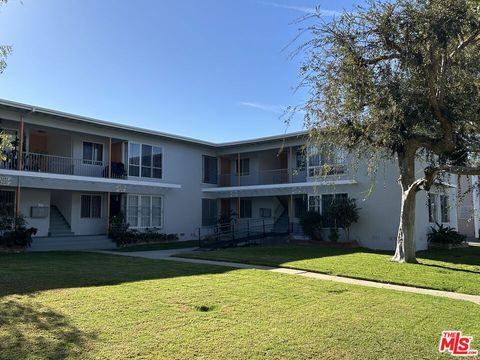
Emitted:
<point x="64" y="166"/>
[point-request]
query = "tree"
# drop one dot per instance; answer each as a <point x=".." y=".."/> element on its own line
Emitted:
<point x="5" y="50"/>
<point x="398" y="79"/>
<point x="344" y="213"/>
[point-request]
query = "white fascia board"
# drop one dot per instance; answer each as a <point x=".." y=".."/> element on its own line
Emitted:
<point x="88" y="179"/>
<point x="280" y="186"/>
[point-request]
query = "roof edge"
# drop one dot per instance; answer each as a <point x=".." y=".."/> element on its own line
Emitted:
<point x="94" y="121"/>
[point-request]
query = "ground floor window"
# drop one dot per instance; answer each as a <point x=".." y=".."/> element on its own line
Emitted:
<point x="144" y="211"/>
<point x="7" y="201"/>
<point x="245" y="208"/>
<point x="322" y="203"/>
<point x="432" y="200"/>
<point x="91" y="206"/>
<point x="444" y="208"/>
<point x="209" y="212"/>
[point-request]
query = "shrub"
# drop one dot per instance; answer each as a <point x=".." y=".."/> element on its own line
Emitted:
<point x="311" y="223"/>
<point x="445" y="235"/>
<point x="120" y="233"/>
<point x="334" y="235"/>
<point x="15" y="233"/>
<point x="345" y="214"/>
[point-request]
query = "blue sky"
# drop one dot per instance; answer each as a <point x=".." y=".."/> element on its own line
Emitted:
<point x="209" y="69"/>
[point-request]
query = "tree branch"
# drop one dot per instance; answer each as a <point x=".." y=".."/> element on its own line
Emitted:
<point x="463" y="44"/>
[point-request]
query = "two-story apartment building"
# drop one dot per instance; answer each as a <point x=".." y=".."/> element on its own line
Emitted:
<point x="69" y="174"/>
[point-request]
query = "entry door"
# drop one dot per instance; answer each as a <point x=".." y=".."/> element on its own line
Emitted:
<point x="225" y="171"/>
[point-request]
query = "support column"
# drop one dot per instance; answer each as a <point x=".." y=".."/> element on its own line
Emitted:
<point x="238" y="169"/>
<point x="290" y="215"/>
<point x="17" y="199"/>
<point x="20" y="145"/>
<point x="290" y="166"/>
<point x="109" y="158"/>
<point x="238" y="208"/>
<point x="108" y="212"/>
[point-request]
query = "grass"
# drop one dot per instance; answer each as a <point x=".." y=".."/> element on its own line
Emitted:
<point x="452" y="270"/>
<point x="159" y="246"/>
<point x="91" y="306"/>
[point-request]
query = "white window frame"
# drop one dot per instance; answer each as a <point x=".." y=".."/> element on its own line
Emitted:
<point x="238" y="166"/>
<point x="140" y="160"/>
<point x="139" y="214"/>
<point x="92" y="161"/>
<point x="91" y="208"/>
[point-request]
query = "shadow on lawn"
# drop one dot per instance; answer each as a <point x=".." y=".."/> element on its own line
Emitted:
<point x="28" y="331"/>
<point x="27" y="273"/>
<point x="461" y="256"/>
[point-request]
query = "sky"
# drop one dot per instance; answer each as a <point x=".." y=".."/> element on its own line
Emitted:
<point x="215" y="70"/>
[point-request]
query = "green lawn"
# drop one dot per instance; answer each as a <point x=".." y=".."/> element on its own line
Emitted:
<point x="91" y="306"/>
<point x="454" y="270"/>
<point x="159" y="246"/>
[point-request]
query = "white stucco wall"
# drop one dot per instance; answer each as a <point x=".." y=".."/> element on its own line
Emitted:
<point x="35" y="197"/>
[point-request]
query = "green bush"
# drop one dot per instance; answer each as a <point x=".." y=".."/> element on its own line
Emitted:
<point x="15" y="233"/>
<point x="345" y="214"/>
<point x="311" y="223"/>
<point x="120" y="233"/>
<point x="445" y="235"/>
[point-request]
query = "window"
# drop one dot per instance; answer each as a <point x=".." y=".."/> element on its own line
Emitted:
<point x="432" y="207"/>
<point x="7" y="199"/>
<point x="321" y="204"/>
<point x="210" y="169"/>
<point x="445" y="208"/>
<point x="145" y="161"/>
<point x="300" y="207"/>
<point x="91" y="206"/>
<point x="245" y="208"/>
<point x="300" y="160"/>
<point x="314" y="168"/>
<point x="209" y="212"/>
<point x="144" y="211"/>
<point x="244" y="167"/>
<point x="92" y="153"/>
<point x="265" y="212"/>
<point x="314" y="203"/>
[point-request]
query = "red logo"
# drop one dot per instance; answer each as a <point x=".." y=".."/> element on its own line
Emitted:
<point x="456" y="344"/>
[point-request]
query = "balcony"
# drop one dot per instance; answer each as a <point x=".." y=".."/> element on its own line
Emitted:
<point x="326" y="172"/>
<point x="43" y="163"/>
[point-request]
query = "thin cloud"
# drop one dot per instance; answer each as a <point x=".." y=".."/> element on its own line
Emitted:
<point x="277" y="109"/>
<point x="304" y="9"/>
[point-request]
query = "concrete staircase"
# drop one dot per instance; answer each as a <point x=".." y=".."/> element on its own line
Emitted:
<point x="58" y="225"/>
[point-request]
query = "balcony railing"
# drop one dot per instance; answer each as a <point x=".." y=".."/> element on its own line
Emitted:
<point x="283" y="176"/>
<point x="64" y="165"/>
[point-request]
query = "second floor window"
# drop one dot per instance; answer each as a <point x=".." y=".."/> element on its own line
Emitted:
<point x="145" y="161"/>
<point x="210" y="169"/>
<point x="242" y="168"/>
<point x="92" y="153"/>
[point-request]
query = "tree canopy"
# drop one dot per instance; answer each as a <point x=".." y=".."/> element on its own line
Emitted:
<point x="399" y="78"/>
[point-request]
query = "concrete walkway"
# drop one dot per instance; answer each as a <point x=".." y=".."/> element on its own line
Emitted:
<point x="168" y="255"/>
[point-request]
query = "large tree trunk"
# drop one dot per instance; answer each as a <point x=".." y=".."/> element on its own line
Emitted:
<point x="406" y="244"/>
